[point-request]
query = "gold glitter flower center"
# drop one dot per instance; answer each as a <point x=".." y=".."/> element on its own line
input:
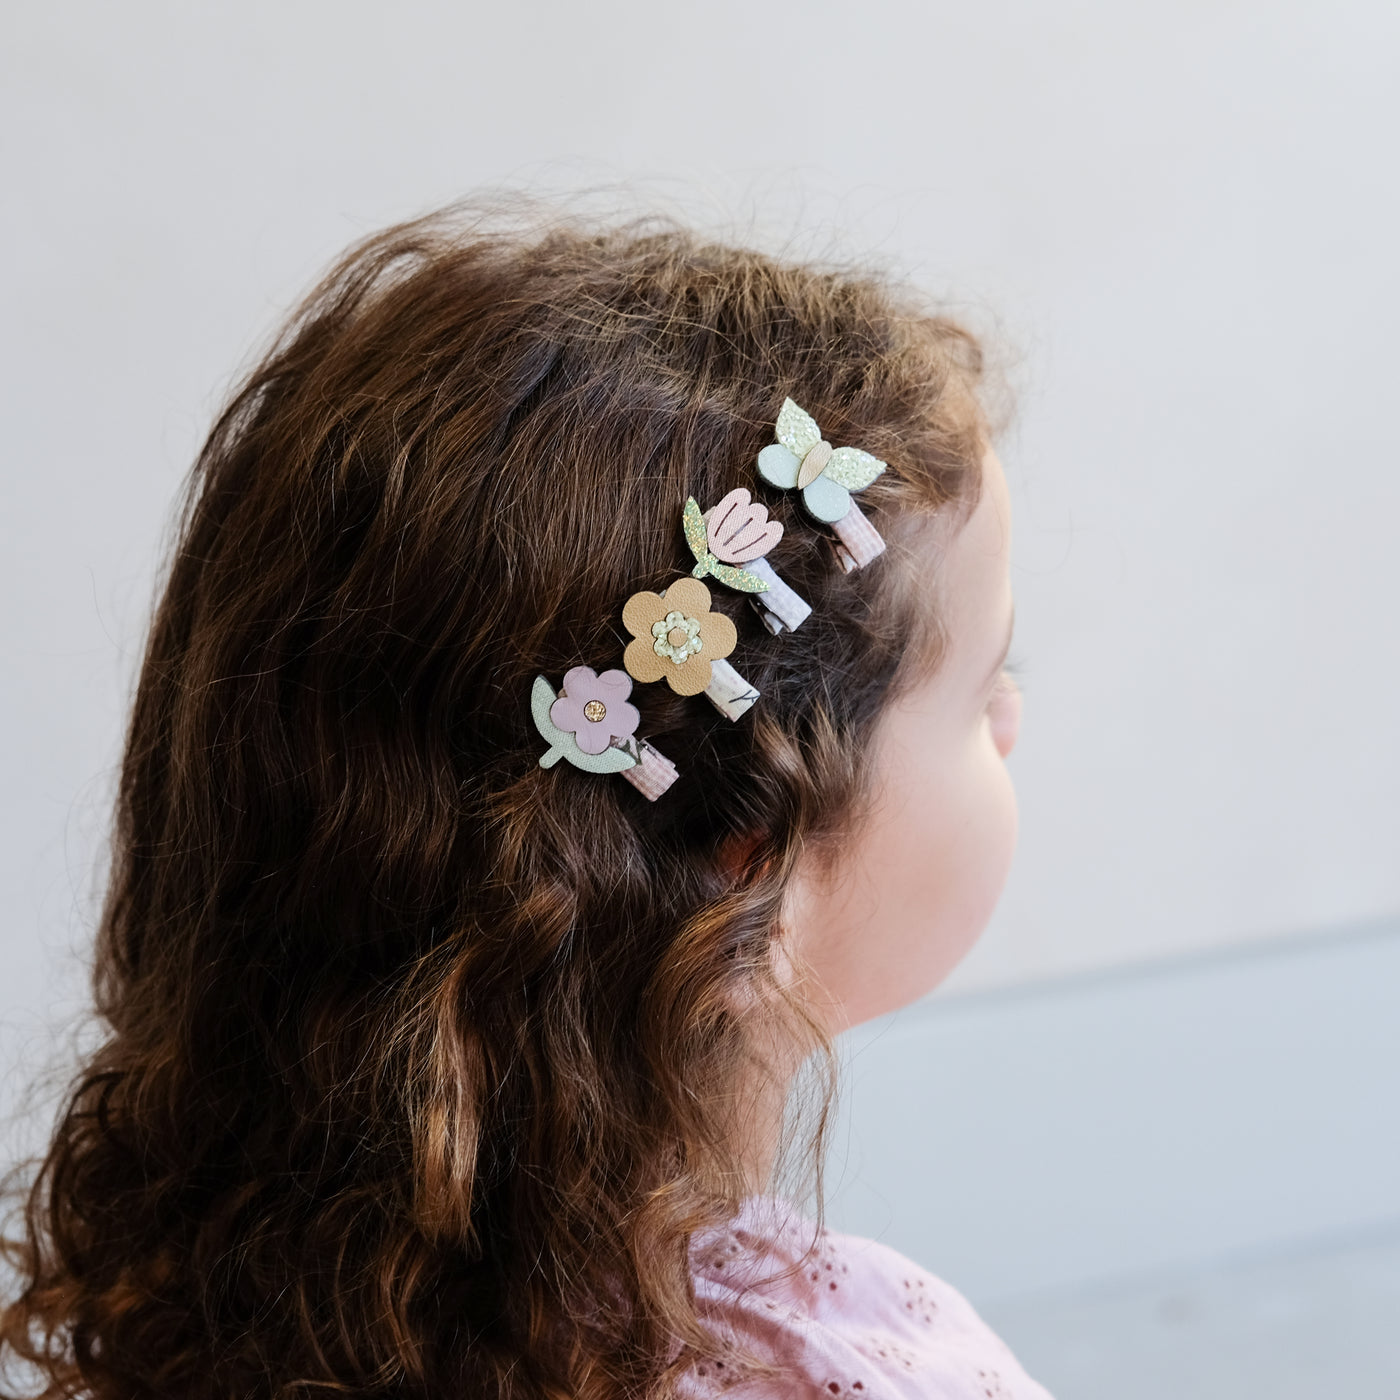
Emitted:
<point x="594" y="711"/>
<point x="677" y="637"/>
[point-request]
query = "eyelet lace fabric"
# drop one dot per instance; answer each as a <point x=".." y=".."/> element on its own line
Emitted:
<point x="844" y="1317"/>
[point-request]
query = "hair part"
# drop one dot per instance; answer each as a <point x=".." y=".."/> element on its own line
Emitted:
<point x="420" y="1060"/>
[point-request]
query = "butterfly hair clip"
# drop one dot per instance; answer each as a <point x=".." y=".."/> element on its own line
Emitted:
<point x="737" y="532"/>
<point x="804" y="461"/>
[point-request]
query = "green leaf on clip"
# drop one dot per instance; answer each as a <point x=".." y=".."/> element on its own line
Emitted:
<point x="611" y="760"/>
<point x="741" y="579"/>
<point x="693" y="522"/>
<point x="542" y="696"/>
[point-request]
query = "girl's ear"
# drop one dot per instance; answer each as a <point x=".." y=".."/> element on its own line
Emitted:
<point x="738" y="854"/>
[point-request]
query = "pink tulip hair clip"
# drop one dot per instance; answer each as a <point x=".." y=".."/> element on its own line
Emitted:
<point x="803" y="460"/>
<point x="593" y="725"/>
<point x="737" y="532"/>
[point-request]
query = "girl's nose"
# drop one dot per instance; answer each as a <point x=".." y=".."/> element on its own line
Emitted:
<point x="1004" y="712"/>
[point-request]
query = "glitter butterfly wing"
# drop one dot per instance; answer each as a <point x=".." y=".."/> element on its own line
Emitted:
<point x="849" y="469"/>
<point x="852" y="468"/>
<point x="796" y="429"/>
<point x="797" y="435"/>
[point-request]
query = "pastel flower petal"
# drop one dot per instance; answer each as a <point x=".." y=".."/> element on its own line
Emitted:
<point x="623" y="719"/>
<point x="642" y="662"/>
<point x="578" y="680"/>
<point x="614" y="687"/>
<point x="640" y="611"/>
<point x="718" y="637"/>
<point x="567" y="713"/>
<point x="687" y="595"/>
<point x="594" y="737"/>
<point x="689" y="678"/>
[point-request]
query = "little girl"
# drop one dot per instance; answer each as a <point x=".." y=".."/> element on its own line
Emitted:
<point x="577" y="695"/>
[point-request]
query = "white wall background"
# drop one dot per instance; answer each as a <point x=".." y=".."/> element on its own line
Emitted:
<point x="1181" y="218"/>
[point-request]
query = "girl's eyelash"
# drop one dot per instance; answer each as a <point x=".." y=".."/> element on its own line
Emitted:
<point x="1014" y="667"/>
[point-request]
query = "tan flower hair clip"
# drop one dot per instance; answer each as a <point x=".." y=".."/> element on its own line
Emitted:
<point x="676" y="638"/>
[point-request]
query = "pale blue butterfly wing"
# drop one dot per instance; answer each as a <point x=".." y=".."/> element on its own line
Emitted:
<point x="779" y="466"/>
<point x="826" y="500"/>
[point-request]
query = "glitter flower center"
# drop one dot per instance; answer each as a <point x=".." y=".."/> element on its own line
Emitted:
<point x="594" y="711"/>
<point x="677" y="636"/>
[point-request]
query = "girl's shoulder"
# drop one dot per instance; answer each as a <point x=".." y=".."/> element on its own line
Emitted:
<point x="846" y="1318"/>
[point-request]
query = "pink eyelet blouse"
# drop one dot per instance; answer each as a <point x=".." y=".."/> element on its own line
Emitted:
<point x="858" y="1321"/>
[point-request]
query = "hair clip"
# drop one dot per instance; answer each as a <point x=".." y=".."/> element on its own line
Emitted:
<point x="676" y="638"/>
<point x="738" y="531"/>
<point x="803" y="460"/>
<point x="591" y="723"/>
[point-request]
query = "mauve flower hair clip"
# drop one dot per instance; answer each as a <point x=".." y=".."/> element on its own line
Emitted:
<point x="738" y="531"/>
<point x="803" y="460"/>
<point x="593" y="725"/>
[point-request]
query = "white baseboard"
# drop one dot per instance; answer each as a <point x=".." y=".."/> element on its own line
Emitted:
<point x="1074" y="1132"/>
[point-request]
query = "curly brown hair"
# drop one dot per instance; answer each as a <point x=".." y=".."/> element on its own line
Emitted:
<point x="419" y="1061"/>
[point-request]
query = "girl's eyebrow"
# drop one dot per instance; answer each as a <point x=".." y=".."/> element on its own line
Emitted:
<point x="1005" y="648"/>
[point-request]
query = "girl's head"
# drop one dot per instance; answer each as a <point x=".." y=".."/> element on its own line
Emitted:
<point x="423" y="1060"/>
